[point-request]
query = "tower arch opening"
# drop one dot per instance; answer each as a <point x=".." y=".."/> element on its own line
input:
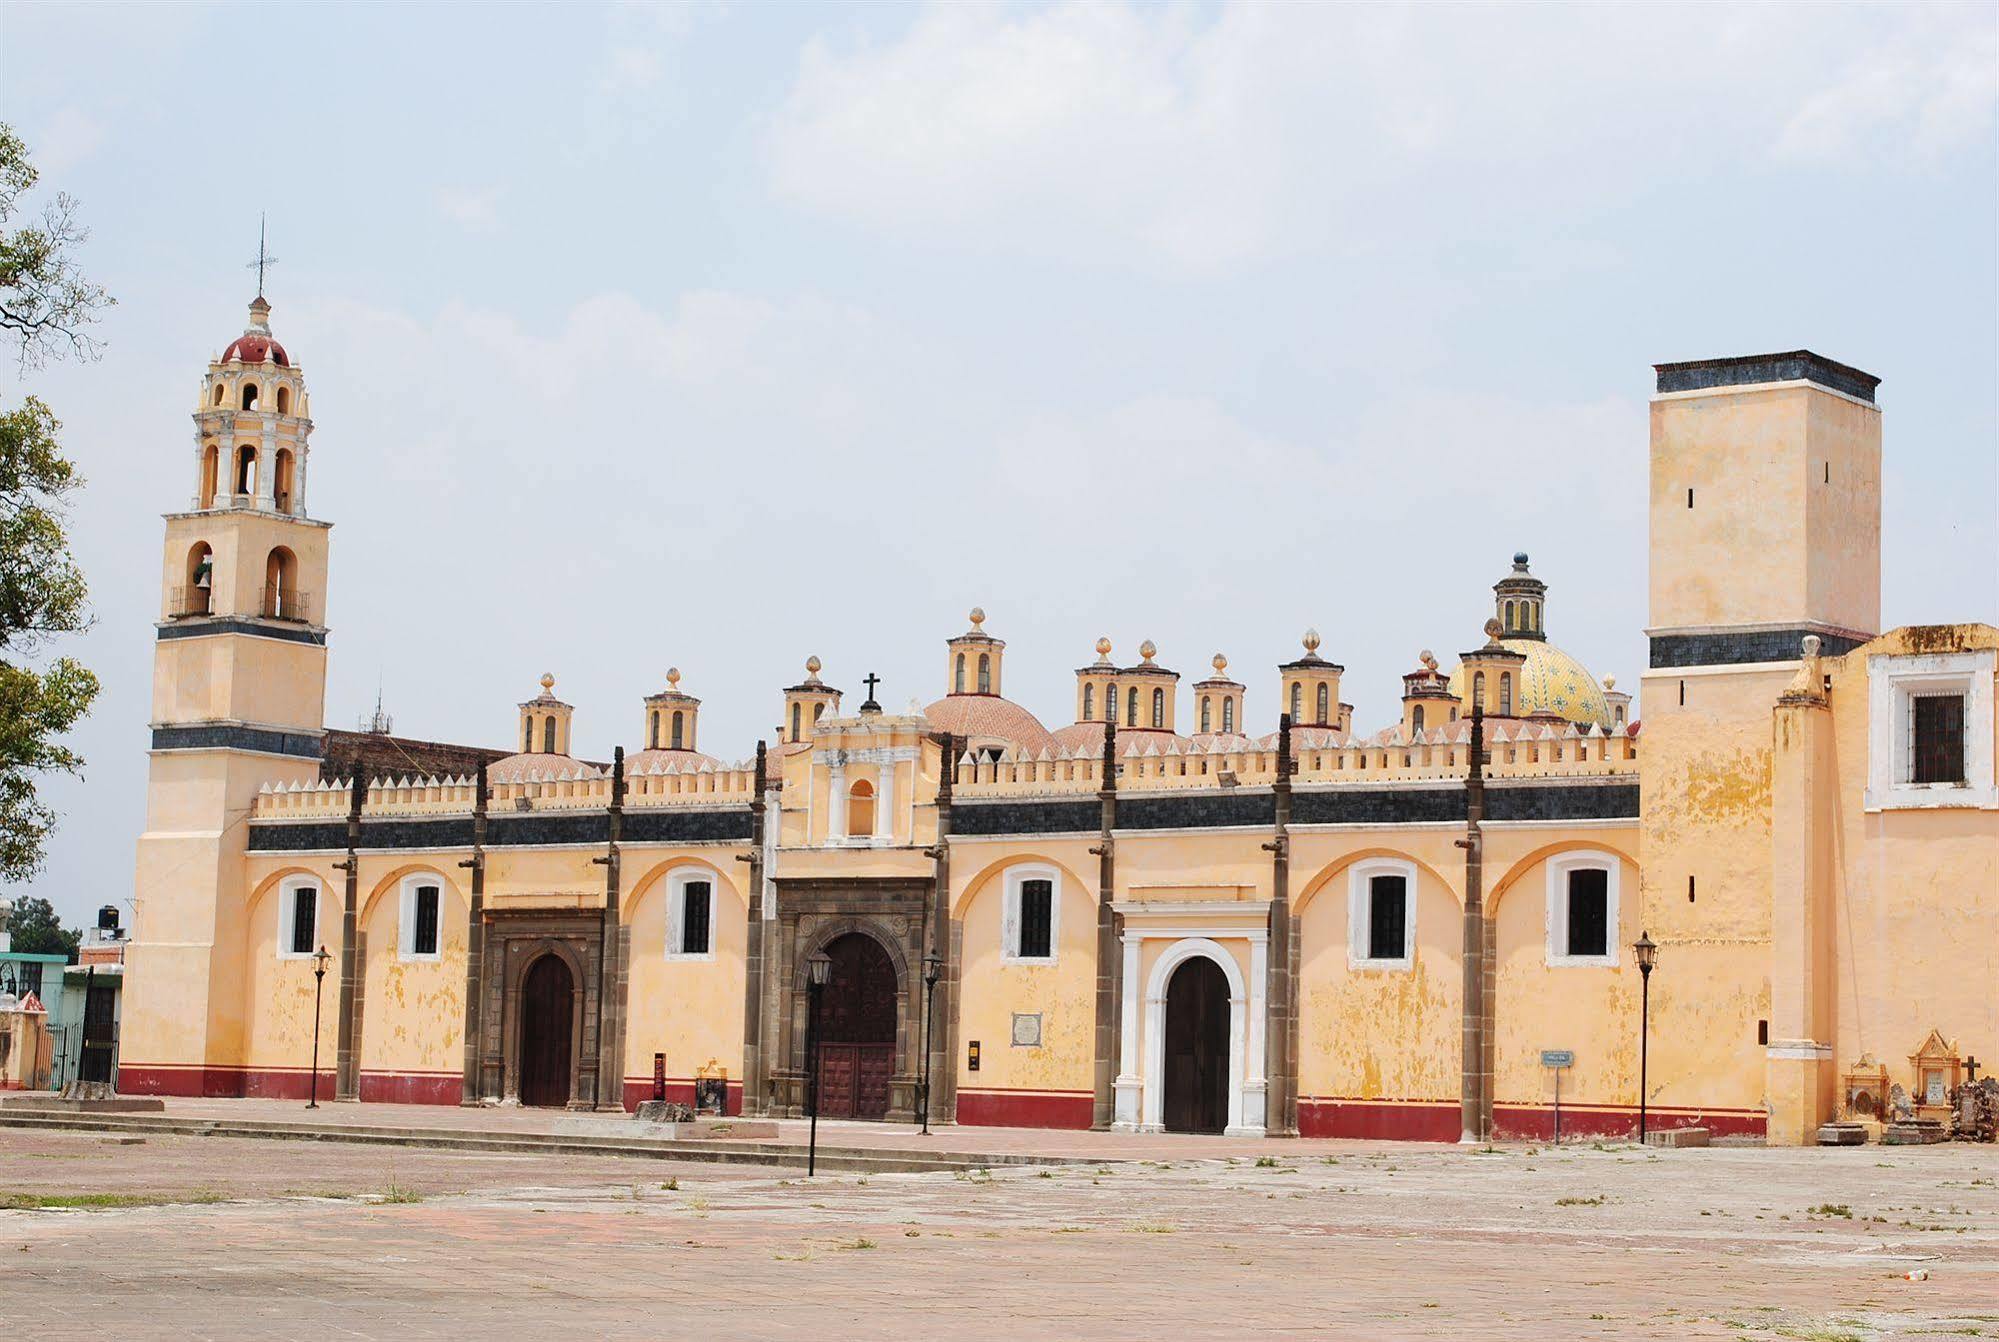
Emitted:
<point x="249" y="401"/>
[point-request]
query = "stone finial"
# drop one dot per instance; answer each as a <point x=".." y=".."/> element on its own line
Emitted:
<point x="1103" y="651"/>
<point x="1493" y="628"/>
<point x="978" y="618"/>
<point x="548" y="682"/>
<point x="1810" y="646"/>
<point x="673" y="678"/>
<point x="1311" y="641"/>
<point x="1427" y="658"/>
<point x="1221" y="664"/>
<point x="812" y="665"/>
<point x="1148" y="650"/>
<point x="1519" y="561"/>
<point x="1610" y="682"/>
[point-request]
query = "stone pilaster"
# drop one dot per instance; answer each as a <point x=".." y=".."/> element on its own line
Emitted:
<point x="475" y="941"/>
<point x="1110" y="955"/>
<point x="347" y="1061"/>
<point x="1280" y="998"/>
<point x="1474" y="1076"/>
<point x="753" y="953"/>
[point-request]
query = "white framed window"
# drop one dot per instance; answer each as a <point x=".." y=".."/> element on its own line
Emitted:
<point x="1582" y="909"/>
<point x="1031" y="921"/>
<point x="690" y="914"/>
<point x="1381" y="914"/>
<point x="298" y="918"/>
<point x="419" y="928"/>
<point x="1929" y="730"/>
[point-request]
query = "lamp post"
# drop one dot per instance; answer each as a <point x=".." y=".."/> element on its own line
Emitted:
<point x="1647" y="952"/>
<point x="933" y="969"/>
<point x="818" y="969"/>
<point x="319" y="959"/>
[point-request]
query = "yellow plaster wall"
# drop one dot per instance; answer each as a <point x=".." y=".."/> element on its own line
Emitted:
<point x="990" y="990"/>
<point x="1377" y="1033"/>
<point x="414" y="1015"/>
<point x="690" y="1010"/>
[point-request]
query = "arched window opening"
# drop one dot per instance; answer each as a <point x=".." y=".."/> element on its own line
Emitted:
<point x="548" y="734"/>
<point x="1089" y="703"/>
<point x="284" y="400"/>
<point x="1159" y="708"/>
<point x="194" y="597"/>
<point x="1505" y="693"/>
<point x="1478" y="688"/>
<point x="281" y="481"/>
<point x="1454" y="712"/>
<point x="211" y="471"/>
<point x="1510" y="615"/>
<point x="1325" y="703"/>
<point x="246" y="470"/>
<point x="1207" y="706"/>
<point x="1416" y="718"/>
<point x="818" y="712"/>
<point x="679" y="730"/>
<point x="282" y="599"/>
<point x="1228" y="715"/>
<point x="1110" y="704"/>
<point x="652" y="731"/>
<point x="1297" y="700"/>
<point x="221" y="393"/>
<point x="1131" y="707"/>
<point x="527" y="735"/>
<point x="797" y="717"/>
<point x="958" y="677"/>
<point x="861" y="809"/>
<point x="985" y="674"/>
<point x="249" y="396"/>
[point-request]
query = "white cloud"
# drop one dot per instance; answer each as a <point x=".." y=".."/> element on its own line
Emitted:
<point x="469" y="208"/>
<point x="1166" y="137"/>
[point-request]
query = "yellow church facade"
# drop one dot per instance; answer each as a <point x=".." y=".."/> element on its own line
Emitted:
<point x="1155" y="915"/>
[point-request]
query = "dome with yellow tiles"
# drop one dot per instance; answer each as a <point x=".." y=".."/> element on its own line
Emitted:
<point x="1550" y="680"/>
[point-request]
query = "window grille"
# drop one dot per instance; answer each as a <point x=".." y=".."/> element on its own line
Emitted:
<point x="305" y="904"/>
<point x="694" y="918"/>
<point x="1387" y="913"/>
<point x="1037" y="911"/>
<point x="1589" y="911"/>
<point x="1937" y="732"/>
<point x="423" y="937"/>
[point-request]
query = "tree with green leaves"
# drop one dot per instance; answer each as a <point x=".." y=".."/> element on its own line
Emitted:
<point x="35" y="929"/>
<point x="46" y="307"/>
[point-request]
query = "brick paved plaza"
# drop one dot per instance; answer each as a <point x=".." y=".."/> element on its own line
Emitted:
<point x="231" y="1237"/>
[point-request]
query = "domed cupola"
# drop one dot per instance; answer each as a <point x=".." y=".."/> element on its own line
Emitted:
<point x="256" y="344"/>
<point x="252" y="421"/>
<point x="1517" y="600"/>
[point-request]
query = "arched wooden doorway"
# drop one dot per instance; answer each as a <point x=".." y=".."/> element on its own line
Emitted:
<point x="548" y="1002"/>
<point x="1196" y="1081"/>
<point x="857" y="1029"/>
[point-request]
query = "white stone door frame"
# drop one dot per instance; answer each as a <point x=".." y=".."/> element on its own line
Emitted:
<point x="1141" y="1096"/>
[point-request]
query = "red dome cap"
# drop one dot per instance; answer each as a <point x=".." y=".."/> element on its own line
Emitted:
<point x="256" y="349"/>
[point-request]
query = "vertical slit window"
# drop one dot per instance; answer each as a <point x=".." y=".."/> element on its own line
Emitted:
<point x="1387" y="914"/>
<point x="1937" y="737"/>
<point x="305" y="905"/>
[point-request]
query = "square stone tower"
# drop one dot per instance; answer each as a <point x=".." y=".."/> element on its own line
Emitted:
<point x="1765" y="528"/>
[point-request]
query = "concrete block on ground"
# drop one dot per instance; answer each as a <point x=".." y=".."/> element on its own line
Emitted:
<point x="1678" y="1137"/>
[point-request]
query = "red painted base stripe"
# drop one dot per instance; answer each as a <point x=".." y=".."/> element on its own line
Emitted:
<point x="277" y="1083"/>
<point x="1437" y="1121"/>
<point x="1025" y="1109"/>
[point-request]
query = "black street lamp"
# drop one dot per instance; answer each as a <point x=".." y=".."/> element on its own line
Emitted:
<point x="818" y="969"/>
<point x="933" y="969"/>
<point x="1647" y="952"/>
<point x="319" y="959"/>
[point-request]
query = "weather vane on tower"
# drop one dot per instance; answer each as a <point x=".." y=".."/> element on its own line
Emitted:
<point x="264" y="258"/>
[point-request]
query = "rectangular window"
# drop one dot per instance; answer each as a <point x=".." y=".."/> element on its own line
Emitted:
<point x="1387" y="914"/>
<point x="31" y="977"/>
<point x="1037" y="915"/>
<point x="1589" y="911"/>
<point x="695" y="902"/>
<point x="305" y="904"/>
<point x="423" y="936"/>
<point x="1938" y="737"/>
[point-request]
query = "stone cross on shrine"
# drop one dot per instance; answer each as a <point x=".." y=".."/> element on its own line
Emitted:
<point x="871" y="680"/>
<point x="1971" y="1068"/>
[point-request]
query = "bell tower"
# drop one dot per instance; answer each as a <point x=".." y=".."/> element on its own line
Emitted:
<point x="239" y="699"/>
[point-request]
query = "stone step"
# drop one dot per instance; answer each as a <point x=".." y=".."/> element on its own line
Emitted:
<point x="853" y="1159"/>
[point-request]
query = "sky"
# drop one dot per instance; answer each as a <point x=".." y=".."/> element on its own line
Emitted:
<point x="720" y="336"/>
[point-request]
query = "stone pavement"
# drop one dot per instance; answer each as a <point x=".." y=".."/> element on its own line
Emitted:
<point x="1330" y="1239"/>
